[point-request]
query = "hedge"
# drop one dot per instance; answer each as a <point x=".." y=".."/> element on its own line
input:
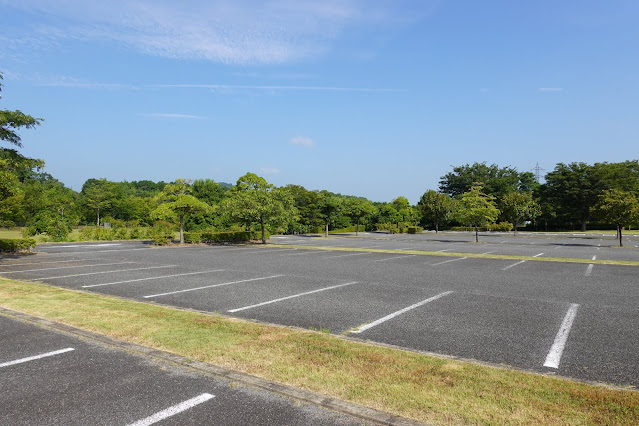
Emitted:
<point x="18" y="244"/>
<point x="322" y="229"/>
<point x="224" y="237"/>
<point x="415" y="229"/>
<point x="492" y="227"/>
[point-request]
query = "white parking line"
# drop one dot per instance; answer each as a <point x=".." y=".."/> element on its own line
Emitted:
<point x="590" y="266"/>
<point x="65" y="253"/>
<point x="514" y="264"/>
<point x="395" y="257"/>
<point x="40" y="263"/>
<point x="211" y="286"/>
<point x="539" y="254"/>
<point x="441" y="251"/>
<point x="32" y="358"/>
<point x="265" y="250"/>
<point x="176" y="409"/>
<point x="344" y="255"/>
<point x="554" y="355"/>
<point x="290" y="297"/>
<point x="105" y="272"/>
<point x="89" y="245"/>
<point x="66" y="267"/>
<point x="488" y="252"/>
<point x="152" y="278"/>
<point x="448" y="261"/>
<point x="306" y="252"/>
<point x="394" y="314"/>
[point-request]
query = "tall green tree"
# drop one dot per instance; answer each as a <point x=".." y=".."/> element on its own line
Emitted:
<point x="436" y="208"/>
<point x="329" y="207"/>
<point x="357" y="208"/>
<point x="573" y="189"/>
<point x="477" y="208"/>
<point x="497" y="181"/>
<point x="254" y="199"/>
<point x="176" y="201"/>
<point x="517" y="207"/>
<point x="98" y="195"/>
<point x="12" y="121"/>
<point x="14" y="166"/>
<point x="618" y="207"/>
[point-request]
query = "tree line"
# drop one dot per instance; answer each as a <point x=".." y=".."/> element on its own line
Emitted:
<point x="478" y="196"/>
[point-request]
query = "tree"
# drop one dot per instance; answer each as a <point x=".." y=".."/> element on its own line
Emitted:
<point x="618" y="207"/>
<point x="176" y="200"/>
<point x="497" y="181"/>
<point x="98" y="195"/>
<point x="11" y="121"/>
<point x="356" y="209"/>
<point x="573" y="189"/>
<point x="329" y="207"/>
<point x="436" y="208"/>
<point x="209" y="191"/>
<point x="254" y="199"/>
<point x="519" y="206"/>
<point x="13" y="166"/>
<point x="477" y="208"/>
<point x="403" y="208"/>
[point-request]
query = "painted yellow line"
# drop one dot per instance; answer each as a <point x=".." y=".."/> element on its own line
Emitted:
<point x="469" y="255"/>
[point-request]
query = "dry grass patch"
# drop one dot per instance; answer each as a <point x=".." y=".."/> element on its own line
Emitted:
<point x="412" y="385"/>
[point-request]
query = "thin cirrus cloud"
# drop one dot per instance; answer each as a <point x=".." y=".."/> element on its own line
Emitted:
<point x="226" y="31"/>
<point x="302" y="141"/>
<point x="551" y="89"/>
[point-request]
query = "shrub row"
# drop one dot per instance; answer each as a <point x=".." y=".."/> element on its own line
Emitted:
<point x="223" y="237"/>
<point x="492" y="227"/>
<point x="97" y="233"/>
<point x="415" y="229"/>
<point x="321" y="229"/>
<point x="17" y="244"/>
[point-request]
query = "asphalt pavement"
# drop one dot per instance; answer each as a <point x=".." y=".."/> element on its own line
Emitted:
<point x="52" y="378"/>
<point x="578" y="320"/>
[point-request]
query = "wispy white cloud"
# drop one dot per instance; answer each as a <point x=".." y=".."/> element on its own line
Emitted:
<point x="551" y="89"/>
<point x="72" y="82"/>
<point x="303" y="141"/>
<point x="274" y="87"/>
<point x="227" y="31"/>
<point x="172" y="115"/>
<point x="269" y="170"/>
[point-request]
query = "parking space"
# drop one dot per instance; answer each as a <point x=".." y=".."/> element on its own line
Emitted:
<point x="505" y="311"/>
<point x="52" y="378"/>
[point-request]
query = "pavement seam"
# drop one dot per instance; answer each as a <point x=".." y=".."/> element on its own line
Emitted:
<point x="330" y="403"/>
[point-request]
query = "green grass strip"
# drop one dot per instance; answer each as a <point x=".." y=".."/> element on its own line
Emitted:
<point x="417" y="386"/>
<point x="470" y="255"/>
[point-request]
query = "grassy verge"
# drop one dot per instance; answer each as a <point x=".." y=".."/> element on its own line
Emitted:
<point x="473" y="255"/>
<point x="416" y="386"/>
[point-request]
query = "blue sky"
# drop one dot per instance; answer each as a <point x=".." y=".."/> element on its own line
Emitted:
<point x="362" y="97"/>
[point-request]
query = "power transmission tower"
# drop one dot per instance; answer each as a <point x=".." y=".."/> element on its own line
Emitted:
<point x="537" y="171"/>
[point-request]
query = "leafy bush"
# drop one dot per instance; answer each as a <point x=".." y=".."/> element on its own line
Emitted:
<point x="500" y="227"/>
<point x="162" y="239"/>
<point x="193" y="237"/>
<point x="415" y="229"/>
<point x="232" y="236"/>
<point x="18" y="244"/>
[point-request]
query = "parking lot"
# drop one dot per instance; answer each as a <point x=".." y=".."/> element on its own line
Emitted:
<point x="51" y="378"/>
<point x="579" y="320"/>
